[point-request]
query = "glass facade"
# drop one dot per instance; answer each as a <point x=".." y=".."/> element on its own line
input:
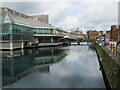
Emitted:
<point x="15" y="28"/>
<point x="5" y="33"/>
<point x="18" y="32"/>
<point x="43" y="31"/>
<point x="45" y="40"/>
<point x="22" y="33"/>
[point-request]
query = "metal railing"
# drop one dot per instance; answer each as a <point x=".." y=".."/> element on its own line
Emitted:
<point x="114" y="53"/>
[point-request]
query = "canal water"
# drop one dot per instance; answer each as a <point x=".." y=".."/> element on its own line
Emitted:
<point x="74" y="66"/>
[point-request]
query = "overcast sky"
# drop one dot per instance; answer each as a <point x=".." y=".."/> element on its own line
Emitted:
<point x="84" y="14"/>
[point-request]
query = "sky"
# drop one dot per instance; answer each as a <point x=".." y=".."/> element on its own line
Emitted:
<point x="71" y="14"/>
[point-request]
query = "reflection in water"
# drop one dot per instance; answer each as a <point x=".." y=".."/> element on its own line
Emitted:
<point x="92" y="48"/>
<point x="66" y="67"/>
<point x="29" y="61"/>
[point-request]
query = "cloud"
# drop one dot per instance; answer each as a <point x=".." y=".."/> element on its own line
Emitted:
<point x="97" y="12"/>
<point x="24" y="7"/>
<point x="57" y="11"/>
<point x="101" y="15"/>
<point x="94" y="14"/>
<point x="70" y="22"/>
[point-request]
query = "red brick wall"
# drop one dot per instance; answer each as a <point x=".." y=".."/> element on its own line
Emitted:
<point x="114" y="33"/>
<point x="93" y="35"/>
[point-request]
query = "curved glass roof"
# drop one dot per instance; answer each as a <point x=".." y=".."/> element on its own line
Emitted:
<point x="8" y="17"/>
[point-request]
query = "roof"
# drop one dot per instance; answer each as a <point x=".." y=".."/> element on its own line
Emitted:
<point x="7" y="16"/>
<point x="35" y="22"/>
<point x="43" y="18"/>
<point x="39" y="15"/>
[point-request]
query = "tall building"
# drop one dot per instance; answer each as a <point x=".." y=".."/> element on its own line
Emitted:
<point x="93" y="35"/>
<point x="114" y="33"/>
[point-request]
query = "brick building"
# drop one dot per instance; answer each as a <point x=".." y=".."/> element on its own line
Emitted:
<point x="93" y="35"/>
<point x="114" y="33"/>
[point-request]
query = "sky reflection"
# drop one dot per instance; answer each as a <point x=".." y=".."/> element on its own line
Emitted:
<point x="79" y="69"/>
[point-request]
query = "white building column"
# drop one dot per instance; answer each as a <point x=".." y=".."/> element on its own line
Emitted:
<point x="30" y="43"/>
<point x="23" y="52"/>
<point x="22" y="45"/>
<point x="11" y="45"/>
<point x="11" y="52"/>
<point x="11" y="38"/>
<point x="36" y="39"/>
<point x="51" y="39"/>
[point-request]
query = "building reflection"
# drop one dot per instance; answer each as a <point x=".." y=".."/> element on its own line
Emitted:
<point x="17" y="64"/>
<point x="92" y="48"/>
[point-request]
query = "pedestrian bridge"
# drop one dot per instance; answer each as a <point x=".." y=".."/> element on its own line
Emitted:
<point x="80" y="43"/>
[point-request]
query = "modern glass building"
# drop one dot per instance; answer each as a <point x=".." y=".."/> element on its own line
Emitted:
<point x="19" y="30"/>
<point x="15" y="32"/>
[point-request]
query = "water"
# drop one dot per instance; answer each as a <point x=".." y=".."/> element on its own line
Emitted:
<point x="61" y="67"/>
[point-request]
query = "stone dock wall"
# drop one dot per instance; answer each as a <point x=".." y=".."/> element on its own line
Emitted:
<point x="110" y="64"/>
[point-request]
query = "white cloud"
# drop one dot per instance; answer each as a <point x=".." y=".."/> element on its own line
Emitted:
<point x="99" y="15"/>
<point x="86" y="14"/>
<point x="57" y="11"/>
<point x="97" y="12"/>
<point x="70" y="22"/>
<point x="96" y="15"/>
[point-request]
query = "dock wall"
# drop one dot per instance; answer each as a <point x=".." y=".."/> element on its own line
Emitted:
<point x="110" y="66"/>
